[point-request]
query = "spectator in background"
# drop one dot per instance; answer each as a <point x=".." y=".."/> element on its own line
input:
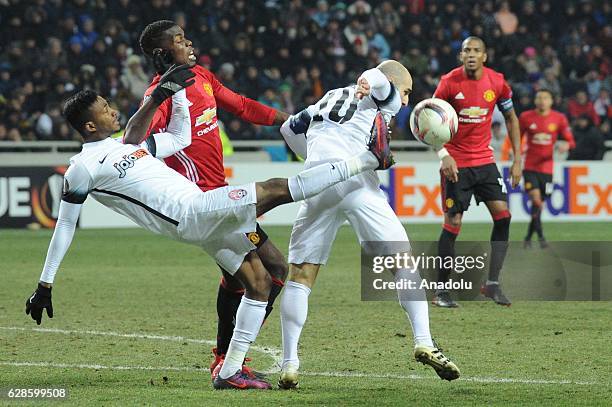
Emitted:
<point x="134" y="79"/>
<point x="589" y="140"/>
<point x="321" y="16"/>
<point x="339" y="76"/>
<point x="226" y="75"/>
<point x="550" y="82"/>
<point x="355" y="36"/>
<point x="530" y="65"/>
<point x="285" y="98"/>
<point x="87" y="34"/>
<point x="301" y="86"/>
<point x="602" y="105"/>
<point x="386" y="14"/>
<point x="265" y="41"/>
<point x="317" y="89"/>
<point x="580" y="106"/>
<point x="593" y="84"/>
<point x="377" y="41"/>
<point x="506" y="19"/>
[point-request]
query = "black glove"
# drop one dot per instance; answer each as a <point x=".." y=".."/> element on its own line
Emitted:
<point x="176" y="78"/>
<point x="41" y="299"/>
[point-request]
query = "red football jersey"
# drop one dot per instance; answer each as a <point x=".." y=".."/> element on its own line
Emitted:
<point x="541" y="133"/>
<point x="474" y="101"/>
<point x="202" y="161"/>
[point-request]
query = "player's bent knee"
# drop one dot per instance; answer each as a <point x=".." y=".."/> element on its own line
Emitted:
<point x="259" y="286"/>
<point x="278" y="269"/>
<point x="454" y="221"/>
<point x="305" y="273"/>
<point x="503" y="216"/>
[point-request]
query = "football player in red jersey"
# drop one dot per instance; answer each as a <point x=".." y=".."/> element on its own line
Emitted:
<point x="541" y="127"/>
<point x="468" y="164"/>
<point x="202" y="162"/>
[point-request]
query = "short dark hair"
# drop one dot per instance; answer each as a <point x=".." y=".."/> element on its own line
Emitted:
<point x="152" y="35"/>
<point x="77" y="108"/>
<point x="552" y="95"/>
<point x="474" y="38"/>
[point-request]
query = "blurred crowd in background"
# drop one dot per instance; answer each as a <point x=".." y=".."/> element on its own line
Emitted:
<point x="286" y="54"/>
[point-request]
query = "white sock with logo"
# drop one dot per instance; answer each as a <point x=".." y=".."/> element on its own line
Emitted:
<point x="414" y="303"/>
<point x="249" y="317"/>
<point x="313" y="181"/>
<point x="294" y="310"/>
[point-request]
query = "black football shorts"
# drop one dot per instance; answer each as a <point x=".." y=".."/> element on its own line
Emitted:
<point x="484" y="182"/>
<point x="538" y="180"/>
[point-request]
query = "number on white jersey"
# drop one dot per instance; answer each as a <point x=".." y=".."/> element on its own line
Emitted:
<point x="335" y="101"/>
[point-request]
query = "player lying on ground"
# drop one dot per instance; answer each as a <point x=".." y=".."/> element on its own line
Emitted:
<point x="165" y="43"/>
<point x="468" y="163"/>
<point x="334" y="129"/>
<point x="131" y="181"/>
<point x="542" y="126"/>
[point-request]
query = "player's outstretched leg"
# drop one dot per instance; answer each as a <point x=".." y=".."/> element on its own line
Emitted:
<point x="446" y="247"/>
<point x="229" y="296"/>
<point x="426" y="351"/>
<point x="310" y="182"/>
<point x="499" y="247"/>
<point x="294" y="311"/>
<point x="250" y="316"/>
<point x="231" y="291"/>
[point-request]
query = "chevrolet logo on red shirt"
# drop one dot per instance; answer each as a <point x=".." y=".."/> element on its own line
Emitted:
<point x="474" y="111"/>
<point x="206" y="117"/>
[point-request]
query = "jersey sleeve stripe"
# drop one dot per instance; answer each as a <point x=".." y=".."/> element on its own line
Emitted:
<point x="141" y="204"/>
<point x="190" y="170"/>
<point x="190" y="162"/>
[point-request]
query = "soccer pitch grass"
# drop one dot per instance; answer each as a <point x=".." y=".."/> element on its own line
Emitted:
<point x="132" y="308"/>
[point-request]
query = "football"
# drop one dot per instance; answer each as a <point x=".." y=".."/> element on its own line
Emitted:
<point x="433" y="122"/>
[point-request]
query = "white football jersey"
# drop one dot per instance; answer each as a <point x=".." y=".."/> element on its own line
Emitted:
<point x="341" y="124"/>
<point x="131" y="181"/>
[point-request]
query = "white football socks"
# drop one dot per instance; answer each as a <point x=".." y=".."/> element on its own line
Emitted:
<point x="414" y="303"/>
<point x="249" y="317"/>
<point x="312" y="181"/>
<point x="294" y="310"/>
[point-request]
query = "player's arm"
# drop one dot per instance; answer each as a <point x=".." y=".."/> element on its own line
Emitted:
<point x="568" y="142"/>
<point x="76" y="187"/>
<point x="178" y="134"/>
<point x="448" y="165"/>
<point x="512" y="124"/>
<point x="522" y="125"/>
<point x="175" y="79"/>
<point x="245" y="108"/>
<point x="374" y="83"/>
<point x="294" y="131"/>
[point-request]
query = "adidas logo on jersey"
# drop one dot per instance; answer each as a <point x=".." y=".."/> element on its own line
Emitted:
<point x="460" y="96"/>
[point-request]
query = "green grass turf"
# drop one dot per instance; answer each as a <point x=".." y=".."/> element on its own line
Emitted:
<point x="130" y="281"/>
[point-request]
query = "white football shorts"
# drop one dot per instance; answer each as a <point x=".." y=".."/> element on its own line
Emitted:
<point x="361" y="202"/>
<point x="219" y="221"/>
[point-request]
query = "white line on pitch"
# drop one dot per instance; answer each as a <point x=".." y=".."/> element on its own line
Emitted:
<point x="324" y="374"/>
<point x="268" y="350"/>
<point x="273" y="352"/>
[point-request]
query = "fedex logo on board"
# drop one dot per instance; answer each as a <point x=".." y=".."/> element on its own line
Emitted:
<point x="573" y="195"/>
<point x="414" y="191"/>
